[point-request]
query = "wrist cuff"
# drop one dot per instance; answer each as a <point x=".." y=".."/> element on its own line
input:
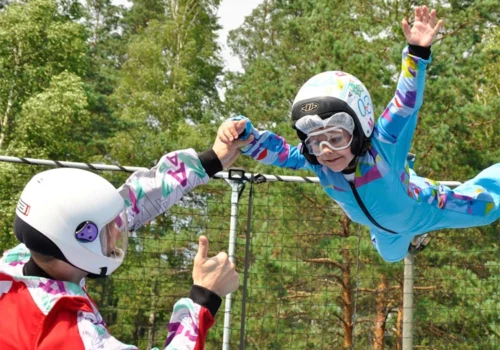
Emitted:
<point x="210" y="162"/>
<point x="206" y="298"/>
<point x="420" y="51"/>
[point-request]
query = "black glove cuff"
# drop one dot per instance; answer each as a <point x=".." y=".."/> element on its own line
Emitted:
<point x="420" y="51"/>
<point x="210" y="162"/>
<point x="206" y="298"/>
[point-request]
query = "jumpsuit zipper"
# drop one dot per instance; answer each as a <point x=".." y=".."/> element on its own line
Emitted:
<point x="367" y="213"/>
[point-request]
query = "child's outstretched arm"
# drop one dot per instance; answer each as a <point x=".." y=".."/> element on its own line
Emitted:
<point x="150" y="192"/>
<point x="266" y="147"/>
<point x="397" y="123"/>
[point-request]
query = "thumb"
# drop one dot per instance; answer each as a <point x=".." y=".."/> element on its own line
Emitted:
<point x="202" y="248"/>
<point x="406" y="28"/>
<point x="240" y="125"/>
<point x="241" y="143"/>
<point x="438" y="26"/>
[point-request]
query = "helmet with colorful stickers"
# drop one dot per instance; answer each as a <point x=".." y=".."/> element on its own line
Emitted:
<point x="332" y="92"/>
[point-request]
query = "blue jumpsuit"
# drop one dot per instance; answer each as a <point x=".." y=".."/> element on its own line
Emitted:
<point x="392" y="193"/>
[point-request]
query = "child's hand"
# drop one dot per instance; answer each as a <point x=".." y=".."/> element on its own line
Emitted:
<point x="226" y="145"/>
<point x="216" y="274"/>
<point x="424" y="28"/>
<point x="230" y="130"/>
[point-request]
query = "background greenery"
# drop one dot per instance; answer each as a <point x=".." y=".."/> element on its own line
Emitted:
<point x="90" y="81"/>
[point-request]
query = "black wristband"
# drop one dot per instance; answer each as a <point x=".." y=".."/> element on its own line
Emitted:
<point x="206" y="298"/>
<point x="420" y="51"/>
<point x="210" y="162"/>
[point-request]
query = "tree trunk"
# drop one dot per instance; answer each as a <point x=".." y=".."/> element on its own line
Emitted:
<point x="399" y="324"/>
<point x="4" y="122"/>
<point x="347" y="288"/>
<point x="152" y="317"/>
<point x="347" y="293"/>
<point x="381" y="313"/>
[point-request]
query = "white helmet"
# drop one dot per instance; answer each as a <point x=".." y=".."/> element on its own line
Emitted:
<point x="75" y="216"/>
<point x="331" y="92"/>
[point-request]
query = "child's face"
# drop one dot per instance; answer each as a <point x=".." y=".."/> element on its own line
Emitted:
<point x="331" y="146"/>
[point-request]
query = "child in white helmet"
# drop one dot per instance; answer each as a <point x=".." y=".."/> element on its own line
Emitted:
<point x="363" y="166"/>
<point x="74" y="224"/>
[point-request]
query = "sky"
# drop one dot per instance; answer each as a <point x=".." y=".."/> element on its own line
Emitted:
<point x="231" y="15"/>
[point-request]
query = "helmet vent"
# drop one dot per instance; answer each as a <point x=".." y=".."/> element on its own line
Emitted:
<point x="86" y="232"/>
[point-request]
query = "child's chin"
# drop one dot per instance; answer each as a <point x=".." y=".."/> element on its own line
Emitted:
<point x="335" y="167"/>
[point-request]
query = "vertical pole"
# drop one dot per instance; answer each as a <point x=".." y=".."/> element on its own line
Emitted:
<point x="246" y="267"/>
<point x="408" y="302"/>
<point x="235" y="186"/>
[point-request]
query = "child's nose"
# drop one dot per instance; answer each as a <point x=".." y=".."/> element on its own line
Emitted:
<point x="326" y="150"/>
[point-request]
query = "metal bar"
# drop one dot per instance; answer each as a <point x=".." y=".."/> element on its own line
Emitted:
<point x="219" y="175"/>
<point x="235" y="187"/>
<point x="408" y="302"/>
<point x="245" y="268"/>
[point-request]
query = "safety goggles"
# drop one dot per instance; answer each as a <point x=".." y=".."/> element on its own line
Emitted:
<point x="335" y="138"/>
<point x="114" y="237"/>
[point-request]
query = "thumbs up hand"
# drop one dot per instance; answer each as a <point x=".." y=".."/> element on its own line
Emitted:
<point x="217" y="273"/>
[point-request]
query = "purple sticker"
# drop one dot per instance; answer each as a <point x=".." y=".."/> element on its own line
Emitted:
<point x="88" y="233"/>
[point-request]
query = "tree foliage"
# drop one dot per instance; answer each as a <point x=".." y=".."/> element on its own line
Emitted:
<point x="92" y="81"/>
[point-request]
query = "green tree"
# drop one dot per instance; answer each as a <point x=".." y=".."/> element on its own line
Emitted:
<point x="106" y="52"/>
<point x="168" y="84"/>
<point x="141" y="13"/>
<point x="55" y="121"/>
<point x="36" y="43"/>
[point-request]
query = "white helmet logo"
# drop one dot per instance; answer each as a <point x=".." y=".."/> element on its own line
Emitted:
<point x="23" y="207"/>
<point x="308" y="107"/>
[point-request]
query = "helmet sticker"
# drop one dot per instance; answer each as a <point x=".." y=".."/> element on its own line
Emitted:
<point x="320" y="80"/>
<point x="308" y="107"/>
<point x="87" y="233"/>
<point x="356" y="89"/>
<point x="364" y="106"/>
<point x="23" y="207"/>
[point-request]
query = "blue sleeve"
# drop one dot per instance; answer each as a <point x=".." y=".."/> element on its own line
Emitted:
<point x="271" y="149"/>
<point x="397" y="123"/>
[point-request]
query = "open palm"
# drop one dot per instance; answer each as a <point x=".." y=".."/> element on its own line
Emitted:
<point x="424" y="28"/>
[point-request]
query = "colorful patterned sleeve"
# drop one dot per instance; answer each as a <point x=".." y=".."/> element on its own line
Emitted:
<point x="188" y="326"/>
<point x="272" y="149"/>
<point x="150" y="192"/>
<point x="93" y="334"/>
<point x="396" y="125"/>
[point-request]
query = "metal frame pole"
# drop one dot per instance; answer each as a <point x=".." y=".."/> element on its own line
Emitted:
<point x="219" y="175"/>
<point x="235" y="188"/>
<point x="408" y="302"/>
